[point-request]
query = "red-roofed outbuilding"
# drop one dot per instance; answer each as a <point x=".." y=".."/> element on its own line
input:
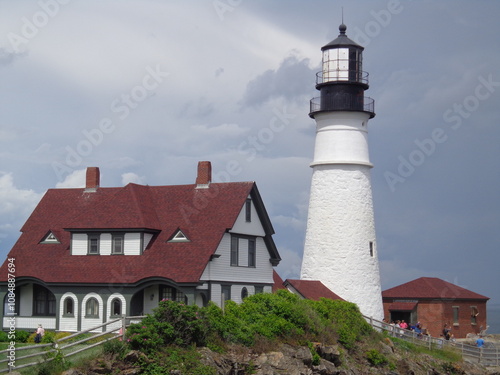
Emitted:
<point x="434" y="302"/>
<point x="90" y="254"/>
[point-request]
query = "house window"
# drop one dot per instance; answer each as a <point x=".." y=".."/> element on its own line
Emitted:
<point x="93" y="244"/>
<point x="473" y="315"/>
<point x="167" y="292"/>
<point x="251" y="252"/>
<point x="244" y="293"/>
<point x="259" y="289"/>
<point x="455" y="315"/>
<point x="247" y="250"/>
<point x="44" y="301"/>
<point x="116" y="307"/>
<point x="117" y="244"/>
<point x="234" y="250"/>
<point x="68" y="307"/>
<point x="248" y="210"/>
<point x="92" y="308"/>
<point x="226" y="292"/>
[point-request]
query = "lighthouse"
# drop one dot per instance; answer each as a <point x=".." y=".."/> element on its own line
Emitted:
<point x="340" y="246"/>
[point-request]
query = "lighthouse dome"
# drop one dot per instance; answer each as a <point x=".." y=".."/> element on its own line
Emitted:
<point x="342" y="40"/>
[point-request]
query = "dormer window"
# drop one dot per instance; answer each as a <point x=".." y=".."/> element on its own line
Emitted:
<point x="179" y="236"/>
<point x="50" y="238"/>
<point x="117" y="244"/>
<point x="93" y="245"/>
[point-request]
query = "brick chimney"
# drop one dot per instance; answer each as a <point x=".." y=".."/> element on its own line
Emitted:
<point x="93" y="179"/>
<point x="204" y="176"/>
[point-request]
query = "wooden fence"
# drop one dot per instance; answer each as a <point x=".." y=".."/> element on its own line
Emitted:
<point x="40" y="353"/>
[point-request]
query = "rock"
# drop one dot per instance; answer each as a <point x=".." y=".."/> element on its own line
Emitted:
<point x="134" y="356"/>
<point x="330" y="353"/>
<point x="304" y="354"/>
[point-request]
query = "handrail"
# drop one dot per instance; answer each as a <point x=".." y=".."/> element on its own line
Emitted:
<point x="56" y="347"/>
<point x="485" y="355"/>
<point x="342" y="75"/>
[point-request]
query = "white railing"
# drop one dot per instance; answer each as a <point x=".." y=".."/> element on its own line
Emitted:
<point x="40" y="351"/>
<point x="488" y="355"/>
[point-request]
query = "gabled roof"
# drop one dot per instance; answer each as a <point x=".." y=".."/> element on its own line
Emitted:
<point x="277" y="282"/>
<point x="311" y="289"/>
<point x="430" y="288"/>
<point x="204" y="215"/>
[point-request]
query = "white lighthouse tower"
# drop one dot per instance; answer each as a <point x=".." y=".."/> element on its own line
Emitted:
<point x="340" y="247"/>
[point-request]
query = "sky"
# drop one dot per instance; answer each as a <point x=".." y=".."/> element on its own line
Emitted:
<point x="146" y="89"/>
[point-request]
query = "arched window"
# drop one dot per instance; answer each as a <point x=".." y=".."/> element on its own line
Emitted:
<point x="68" y="306"/>
<point x="244" y="293"/>
<point x="92" y="308"/>
<point x="116" y="307"/>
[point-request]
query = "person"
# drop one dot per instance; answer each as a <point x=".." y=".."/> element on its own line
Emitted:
<point x="480" y="342"/>
<point x="40" y="332"/>
<point x="446" y="331"/>
<point x="403" y="324"/>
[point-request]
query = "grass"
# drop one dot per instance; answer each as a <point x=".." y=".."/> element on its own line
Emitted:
<point x="448" y="354"/>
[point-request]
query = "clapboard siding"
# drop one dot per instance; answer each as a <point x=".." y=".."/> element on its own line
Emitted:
<point x="132" y="244"/>
<point x="79" y="244"/>
<point x="220" y="269"/>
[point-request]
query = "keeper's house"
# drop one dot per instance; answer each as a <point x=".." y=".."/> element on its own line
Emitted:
<point x="89" y="255"/>
<point x="434" y="302"/>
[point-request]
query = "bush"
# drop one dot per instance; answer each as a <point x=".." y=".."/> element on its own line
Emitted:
<point x="115" y="347"/>
<point x="375" y="358"/>
<point x="346" y="318"/>
<point x="22" y="336"/>
<point x="184" y="361"/>
<point x="4" y="337"/>
<point x="171" y="323"/>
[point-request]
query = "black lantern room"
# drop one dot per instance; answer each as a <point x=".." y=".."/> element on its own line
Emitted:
<point x="342" y="81"/>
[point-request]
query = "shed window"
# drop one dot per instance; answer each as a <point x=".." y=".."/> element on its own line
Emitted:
<point x="456" y="310"/>
<point x="473" y="314"/>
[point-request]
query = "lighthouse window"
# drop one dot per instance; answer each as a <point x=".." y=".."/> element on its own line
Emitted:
<point x="371" y="248"/>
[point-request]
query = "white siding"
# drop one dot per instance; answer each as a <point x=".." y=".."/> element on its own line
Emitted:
<point x="105" y="244"/>
<point x="132" y="244"/>
<point x="31" y="323"/>
<point x="26" y="301"/>
<point x="219" y="269"/>
<point x="216" y="294"/>
<point x="252" y="228"/>
<point x="91" y="322"/>
<point x="79" y="244"/>
<point x="66" y="323"/>
<point x="109" y="317"/>
<point x="150" y="304"/>
<point x="147" y="238"/>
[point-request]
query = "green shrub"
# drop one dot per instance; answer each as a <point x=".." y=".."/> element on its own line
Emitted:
<point x="172" y="322"/>
<point x="185" y="361"/>
<point x="4" y="337"/>
<point x="346" y="318"/>
<point x="376" y="358"/>
<point x="22" y="336"/>
<point x="115" y="347"/>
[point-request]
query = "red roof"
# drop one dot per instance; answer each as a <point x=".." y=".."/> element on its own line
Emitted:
<point x="278" y="282"/>
<point x="430" y="288"/>
<point x="204" y="215"/>
<point x="311" y="289"/>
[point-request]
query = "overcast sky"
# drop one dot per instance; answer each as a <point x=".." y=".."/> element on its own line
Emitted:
<point x="146" y="89"/>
